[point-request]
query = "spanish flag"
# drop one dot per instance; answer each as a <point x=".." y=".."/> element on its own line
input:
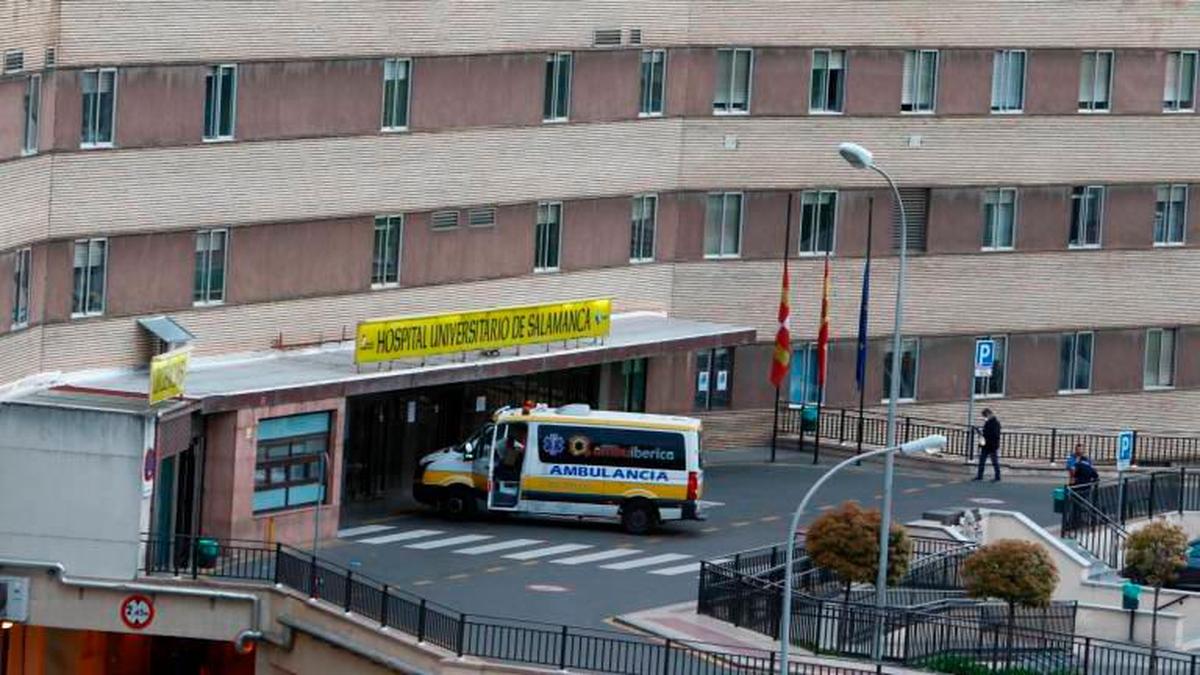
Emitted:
<point x="823" y="334"/>
<point x="783" y="337"/>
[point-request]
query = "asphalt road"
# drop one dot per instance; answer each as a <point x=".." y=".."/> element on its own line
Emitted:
<point x="584" y="573"/>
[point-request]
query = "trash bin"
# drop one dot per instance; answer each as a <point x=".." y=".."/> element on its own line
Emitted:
<point x="808" y="418"/>
<point x="207" y="550"/>
<point x="1060" y="499"/>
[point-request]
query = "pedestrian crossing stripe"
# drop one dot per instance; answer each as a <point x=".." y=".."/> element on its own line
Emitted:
<point x="620" y="558"/>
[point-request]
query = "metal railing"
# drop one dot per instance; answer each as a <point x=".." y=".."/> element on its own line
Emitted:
<point x="936" y="635"/>
<point x="487" y="637"/>
<point x="1047" y="444"/>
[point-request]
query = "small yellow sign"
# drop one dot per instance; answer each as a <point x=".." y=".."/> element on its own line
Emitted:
<point x="167" y="372"/>
<point x="390" y="339"/>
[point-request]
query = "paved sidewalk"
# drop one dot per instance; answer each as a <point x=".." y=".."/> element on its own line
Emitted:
<point x="681" y="622"/>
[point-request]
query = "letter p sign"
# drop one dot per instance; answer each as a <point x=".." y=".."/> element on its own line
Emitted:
<point x="985" y="357"/>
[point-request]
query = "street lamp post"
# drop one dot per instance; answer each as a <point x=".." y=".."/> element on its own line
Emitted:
<point x="928" y="444"/>
<point x="861" y="158"/>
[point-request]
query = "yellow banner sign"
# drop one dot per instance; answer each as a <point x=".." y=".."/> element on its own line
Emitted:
<point x="167" y="372"/>
<point x="390" y="339"/>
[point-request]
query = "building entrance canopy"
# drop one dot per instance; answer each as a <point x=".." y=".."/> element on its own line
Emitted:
<point x="268" y="378"/>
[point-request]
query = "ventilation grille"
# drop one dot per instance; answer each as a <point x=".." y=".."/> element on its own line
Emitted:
<point x="482" y="217"/>
<point x="444" y="220"/>
<point x="635" y="36"/>
<point x="51" y="57"/>
<point x="916" y="206"/>
<point x="14" y="61"/>
<point x="607" y="37"/>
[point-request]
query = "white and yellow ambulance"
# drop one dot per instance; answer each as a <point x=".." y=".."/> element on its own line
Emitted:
<point x="573" y="462"/>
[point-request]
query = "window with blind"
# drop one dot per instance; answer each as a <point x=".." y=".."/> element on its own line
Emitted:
<point x="732" y="95"/>
<point x="918" y="91"/>
<point x="291" y="461"/>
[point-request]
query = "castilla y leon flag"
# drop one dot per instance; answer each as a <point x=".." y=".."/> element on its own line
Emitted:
<point x="783" y="337"/>
<point x="823" y="334"/>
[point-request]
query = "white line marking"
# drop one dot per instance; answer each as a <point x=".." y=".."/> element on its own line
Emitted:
<point x="498" y="546"/>
<point x="452" y="541"/>
<point x="594" y="557"/>
<point x="646" y="562"/>
<point x="400" y="536"/>
<point x="684" y="569"/>
<point x="543" y="552"/>
<point x="365" y="529"/>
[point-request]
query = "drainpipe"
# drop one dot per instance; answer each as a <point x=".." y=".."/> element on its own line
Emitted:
<point x="242" y="641"/>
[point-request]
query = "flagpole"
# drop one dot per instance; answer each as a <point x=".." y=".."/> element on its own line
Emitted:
<point x="862" y="324"/>
<point x="820" y="358"/>
<point x="787" y="238"/>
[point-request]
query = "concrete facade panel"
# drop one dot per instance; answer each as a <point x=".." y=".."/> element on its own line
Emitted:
<point x="751" y="364"/>
<point x="781" y="81"/>
<point x="596" y="233"/>
<point x="158" y="106"/>
<point x="1138" y="79"/>
<point x="131" y="30"/>
<point x="964" y="82"/>
<point x="138" y="282"/>
<point x="955" y="221"/>
<point x="470" y="91"/>
<point x="220" y="436"/>
<point x="763" y="219"/>
<point x="669" y="383"/>
<point x="1120" y="359"/>
<point x="1050" y="74"/>
<point x="873" y="78"/>
<point x="12" y="117"/>
<point x="1032" y="364"/>
<point x="689" y="238"/>
<point x="606" y="85"/>
<point x="300" y="99"/>
<point x="58" y="274"/>
<point x="1187" y="358"/>
<point x="1043" y="218"/>
<point x="468" y="253"/>
<point x="942" y="370"/>
<point x="275" y="262"/>
<point x="68" y="109"/>
<point x="853" y="210"/>
<point x="691" y="74"/>
<point x="666" y="236"/>
<point x="7" y="287"/>
<point x="1129" y="217"/>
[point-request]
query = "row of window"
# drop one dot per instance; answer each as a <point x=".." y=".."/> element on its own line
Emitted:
<point x="731" y="95"/>
<point x="725" y="214"/>
<point x="1076" y="357"/>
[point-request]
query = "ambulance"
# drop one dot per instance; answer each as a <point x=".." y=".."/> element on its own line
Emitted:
<point x="640" y="470"/>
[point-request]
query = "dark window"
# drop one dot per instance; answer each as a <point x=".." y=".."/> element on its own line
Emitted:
<point x="557" y="103"/>
<point x="609" y="446"/>
<point x="220" y="102"/>
<point x="654" y="70"/>
<point x="714" y="378"/>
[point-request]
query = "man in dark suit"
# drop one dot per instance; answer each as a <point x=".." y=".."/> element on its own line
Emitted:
<point x="990" y="446"/>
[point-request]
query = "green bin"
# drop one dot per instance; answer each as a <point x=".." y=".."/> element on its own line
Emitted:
<point x="808" y="418"/>
<point x="1060" y="499"/>
<point x="207" y="550"/>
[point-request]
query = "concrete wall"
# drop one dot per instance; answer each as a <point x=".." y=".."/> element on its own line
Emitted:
<point x="71" y="489"/>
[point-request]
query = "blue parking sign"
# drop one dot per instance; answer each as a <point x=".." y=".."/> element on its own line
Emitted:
<point x="1124" y="450"/>
<point x="985" y="357"/>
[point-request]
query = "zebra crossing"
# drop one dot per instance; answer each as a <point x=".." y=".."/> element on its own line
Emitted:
<point x="524" y="550"/>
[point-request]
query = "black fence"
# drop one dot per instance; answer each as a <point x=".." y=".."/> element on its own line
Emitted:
<point x="1051" y="444"/>
<point x="950" y="635"/>
<point x="486" y="637"/>
<point x="1094" y="516"/>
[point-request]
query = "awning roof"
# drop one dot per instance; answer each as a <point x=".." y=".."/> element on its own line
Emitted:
<point x="265" y="378"/>
<point x="165" y="329"/>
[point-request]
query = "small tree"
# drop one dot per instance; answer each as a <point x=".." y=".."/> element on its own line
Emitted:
<point x="1017" y="572"/>
<point x="1153" y="556"/>
<point x="846" y="540"/>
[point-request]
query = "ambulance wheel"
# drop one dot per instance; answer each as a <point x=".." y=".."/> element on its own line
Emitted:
<point x="638" y="516"/>
<point x="458" y="503"/>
